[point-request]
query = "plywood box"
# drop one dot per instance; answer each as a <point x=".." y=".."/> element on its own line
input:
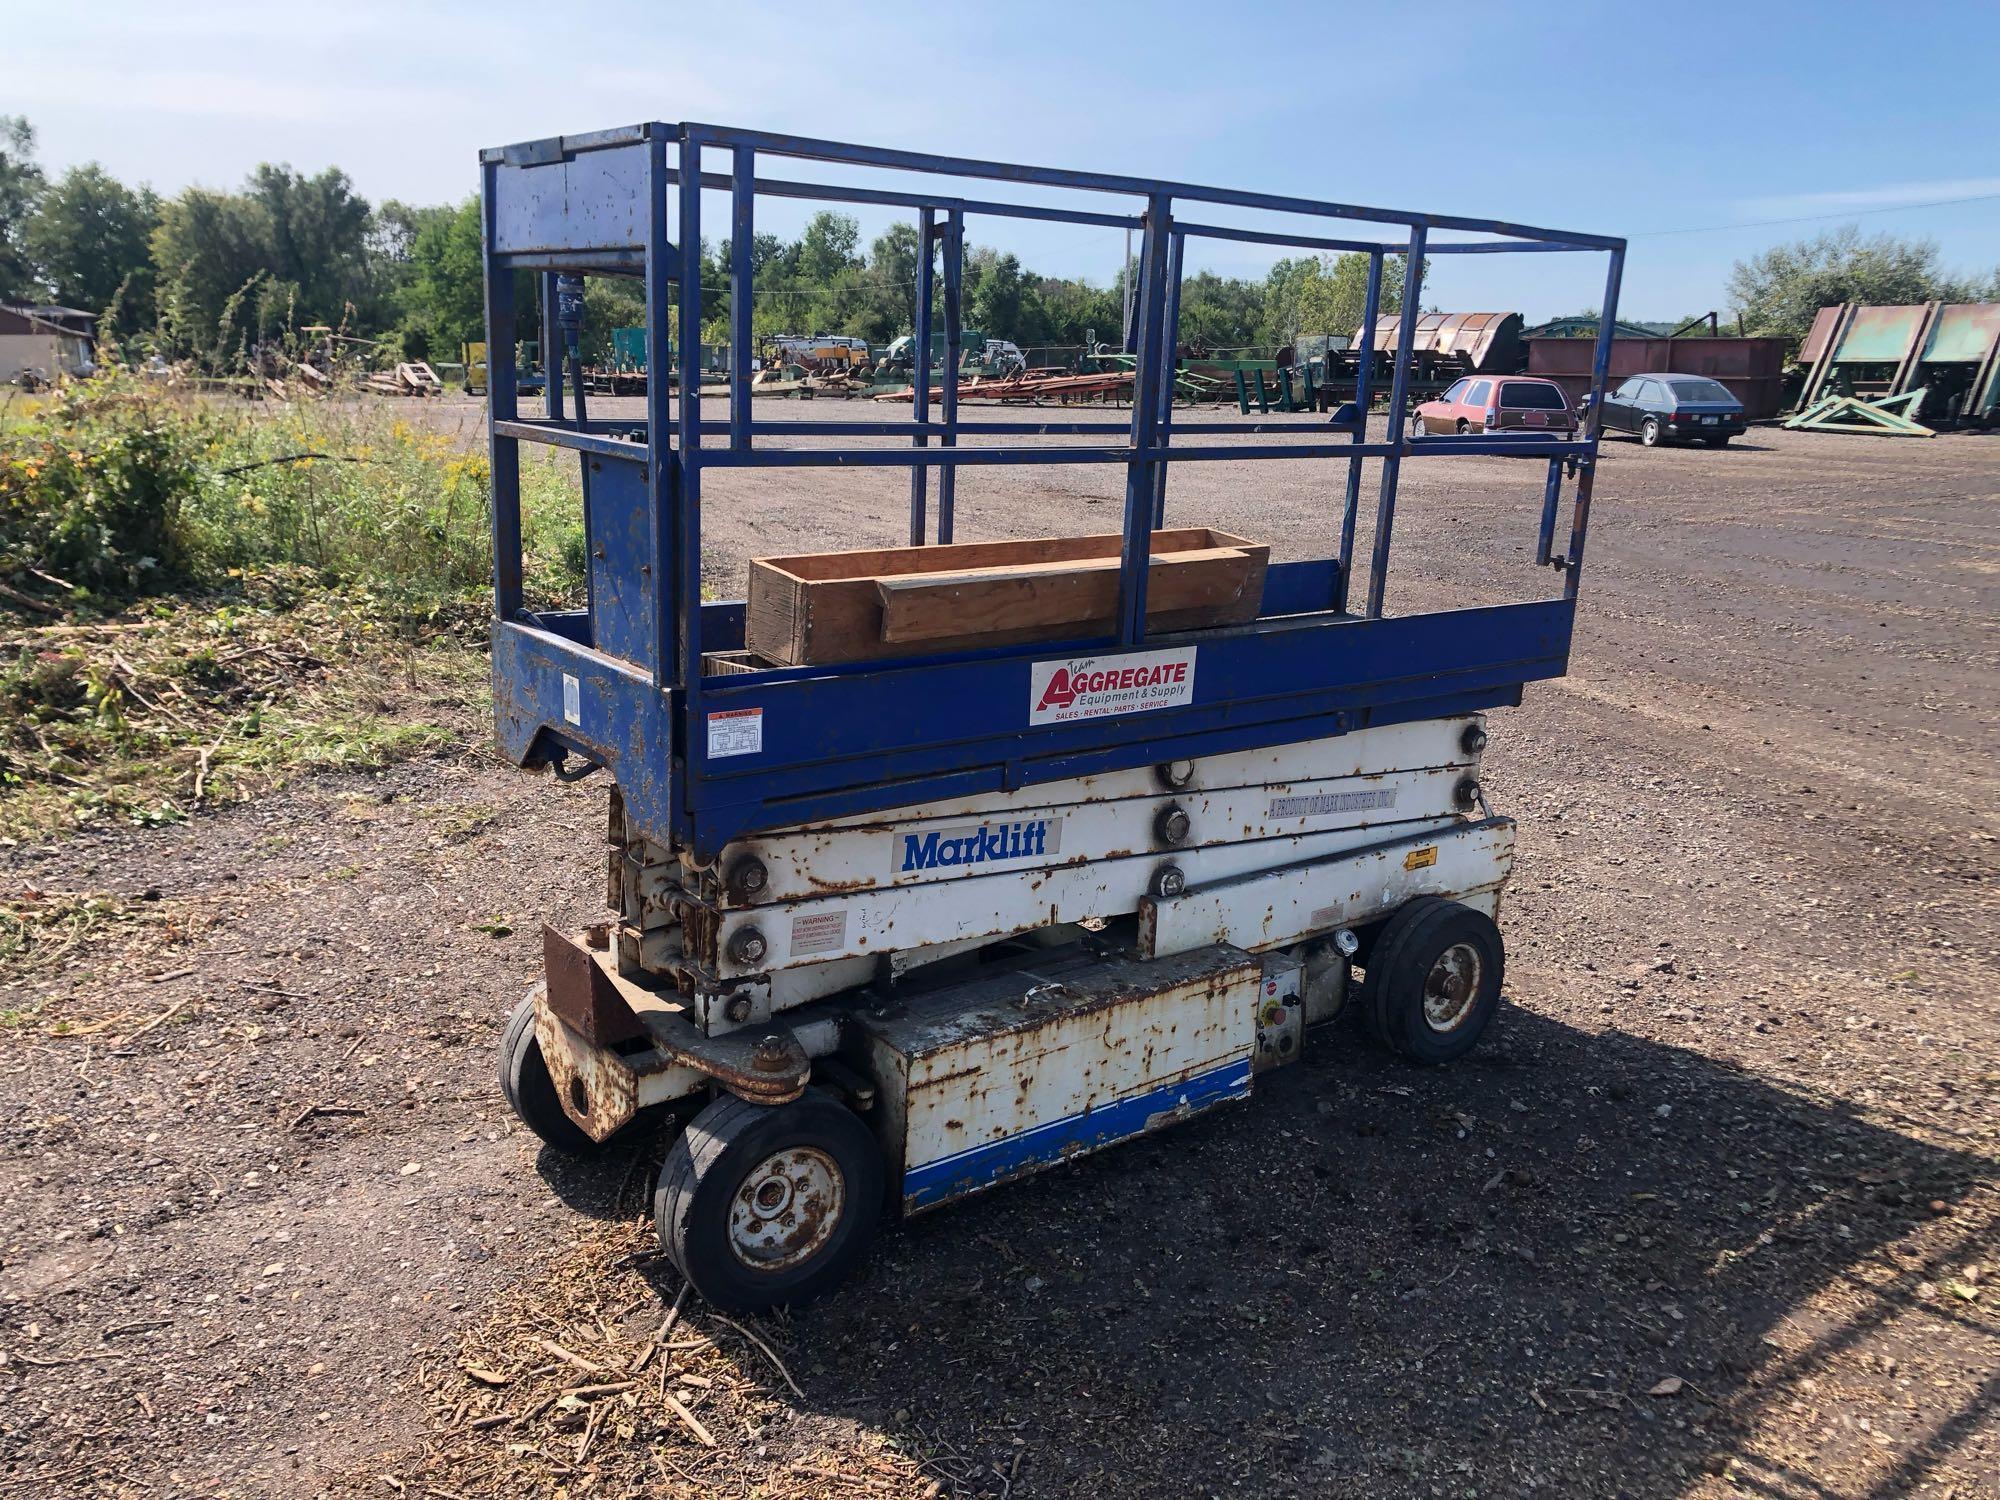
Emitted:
<point x="913" y="601"/>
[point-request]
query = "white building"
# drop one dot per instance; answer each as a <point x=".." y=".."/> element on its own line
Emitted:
<point x="44" y="343"/>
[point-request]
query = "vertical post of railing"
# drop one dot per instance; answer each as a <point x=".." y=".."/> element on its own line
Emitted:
<point x="920" y="379"/>
<point x="954" y="333"/>
<point x="1399" y="396"/>
<point x="1364" y="369"/>
<point x="1551" y="498"/>
<point x="501" y="406"/>
<point x="1150" y="325"/>
<point x="568" y="295"/>
<point x="662" y="492"/>
<point x="1600" y="371"/>
<point x="552" y="347"/>
<point x="687" y="590"/>
<point x="1171" y="344"/>
<point x="742" y="234"/>
<point x="1135" y="335"/>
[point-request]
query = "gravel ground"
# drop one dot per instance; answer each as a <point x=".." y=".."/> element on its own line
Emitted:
<point x="1711" y="1211"/>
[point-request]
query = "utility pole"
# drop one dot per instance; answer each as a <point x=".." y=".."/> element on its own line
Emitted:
<point x="1125" y="334"/>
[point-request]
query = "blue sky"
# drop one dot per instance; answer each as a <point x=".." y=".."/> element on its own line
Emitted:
<point x="1632" y="119"/>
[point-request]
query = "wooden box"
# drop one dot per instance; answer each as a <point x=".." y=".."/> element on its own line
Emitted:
<point x="912" y="601"/>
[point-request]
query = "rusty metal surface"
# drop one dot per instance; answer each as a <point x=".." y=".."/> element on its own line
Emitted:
<point x="1468" y="862"/>
<point x="1823" y="325"/>
<point x="1001" y="1075"/>
<point x="1752" y="368"/>
<point x="597" y="1088"/>
<point x="787" y="1208"/>
<point x="1880" y="335"/>
<point x="1486" y="342"/>
<point x="1949" y="349"/>
<point x="1965" y="333"/>
<point x="767" y="1064"/>
<point x="582" y="994"/>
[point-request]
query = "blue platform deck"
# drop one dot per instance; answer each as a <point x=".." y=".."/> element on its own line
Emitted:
<point x="703" y="760"/>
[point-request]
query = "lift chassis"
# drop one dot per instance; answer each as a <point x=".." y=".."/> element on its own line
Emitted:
<point x="883" y="934"/>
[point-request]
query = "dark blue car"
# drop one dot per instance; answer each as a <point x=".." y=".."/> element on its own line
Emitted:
<point x="1671" y="408"/>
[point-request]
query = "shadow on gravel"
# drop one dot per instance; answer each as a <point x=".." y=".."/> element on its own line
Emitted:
<point x="615" y="1185"/>
<point x="1580" y="1264"/>
<point x="1734" y="445"/>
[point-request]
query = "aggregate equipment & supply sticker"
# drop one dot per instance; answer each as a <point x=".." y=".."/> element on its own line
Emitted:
<point x="1097" y="687"/>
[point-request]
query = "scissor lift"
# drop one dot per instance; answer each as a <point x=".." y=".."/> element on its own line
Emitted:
<point x="885" y="933"/>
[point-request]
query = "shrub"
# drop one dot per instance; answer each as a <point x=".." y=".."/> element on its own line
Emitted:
<point x="93" y="487"/>
<point x="120" y="490"/>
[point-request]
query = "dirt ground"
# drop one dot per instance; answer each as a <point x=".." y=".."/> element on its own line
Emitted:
<point x="1711" y="1211"/>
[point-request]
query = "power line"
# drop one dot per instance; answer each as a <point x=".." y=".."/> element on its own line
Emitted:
<point x="1891" y="208"/>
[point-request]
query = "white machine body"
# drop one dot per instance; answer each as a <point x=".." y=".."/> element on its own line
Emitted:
<point x="1015" y="978"/>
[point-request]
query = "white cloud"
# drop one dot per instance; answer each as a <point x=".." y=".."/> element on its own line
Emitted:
<point x="1890" y="195"/>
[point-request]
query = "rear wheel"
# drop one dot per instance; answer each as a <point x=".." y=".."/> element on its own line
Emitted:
<point x="1433" y="979"/>
<point x="1463" y="426"/>
<point x="530" y="1091"/>
<point x="764" y="1204"/>
<point x="1650" y="432"/>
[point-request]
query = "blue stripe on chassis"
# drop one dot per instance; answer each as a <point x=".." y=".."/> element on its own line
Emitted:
<point x="977" y="1167"/>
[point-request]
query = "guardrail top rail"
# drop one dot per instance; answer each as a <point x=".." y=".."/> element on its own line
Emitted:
<point x="704" y="759"/>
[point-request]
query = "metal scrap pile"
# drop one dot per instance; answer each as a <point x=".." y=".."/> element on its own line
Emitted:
<point x="1034" y="387"/>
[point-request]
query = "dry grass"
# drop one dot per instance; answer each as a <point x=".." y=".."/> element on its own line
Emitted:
<point x="175" y="707"/>
<point x="47" y="933"/>
<point x="604" y="1377"/>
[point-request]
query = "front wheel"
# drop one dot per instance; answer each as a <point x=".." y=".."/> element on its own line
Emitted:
<point x="1650" y="432"/>
<point x="763" y="1204"/>
<point x="1417" y="428"/>
<point x="529" y="1090"/>
<point x="1433" y="979"/>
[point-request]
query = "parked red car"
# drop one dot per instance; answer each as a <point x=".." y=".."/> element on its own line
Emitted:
<point x="1496" y="403"/>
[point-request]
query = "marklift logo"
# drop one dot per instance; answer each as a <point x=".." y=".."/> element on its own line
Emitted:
<point x="977" y="844"/>
<point x="1095" y="687"/>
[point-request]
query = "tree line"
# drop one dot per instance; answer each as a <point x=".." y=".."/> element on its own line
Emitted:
<point x="210" y="276"/>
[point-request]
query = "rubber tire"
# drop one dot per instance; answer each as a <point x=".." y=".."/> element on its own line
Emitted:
<point x="1651" y="433"/>
<point x="1392" y="989"/>
<point x="529" y="1090"/>
<point x="1377" y="954"/>
<point x="1417" y="429"/>
<point x="708" y="1164"/>
<point x="1463" y="427"/>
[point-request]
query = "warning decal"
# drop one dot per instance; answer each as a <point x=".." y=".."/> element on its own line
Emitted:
<point x="735" y="731"/>
<point x="819" y="931"/>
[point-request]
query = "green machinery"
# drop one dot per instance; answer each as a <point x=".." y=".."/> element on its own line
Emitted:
<point x="625" y="371"/>
<point x="978" y="353"/>
<point x="1896" y="369"/>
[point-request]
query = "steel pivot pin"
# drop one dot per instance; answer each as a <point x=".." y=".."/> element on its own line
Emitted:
<point x="746" y="876"/>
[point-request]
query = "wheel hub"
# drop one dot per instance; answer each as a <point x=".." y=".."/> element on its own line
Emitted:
<point x="1451" y="985"/>
<point x="786" y="1209"/>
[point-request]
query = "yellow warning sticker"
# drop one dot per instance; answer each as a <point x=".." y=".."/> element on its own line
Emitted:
<point x="1421" y="859"/>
